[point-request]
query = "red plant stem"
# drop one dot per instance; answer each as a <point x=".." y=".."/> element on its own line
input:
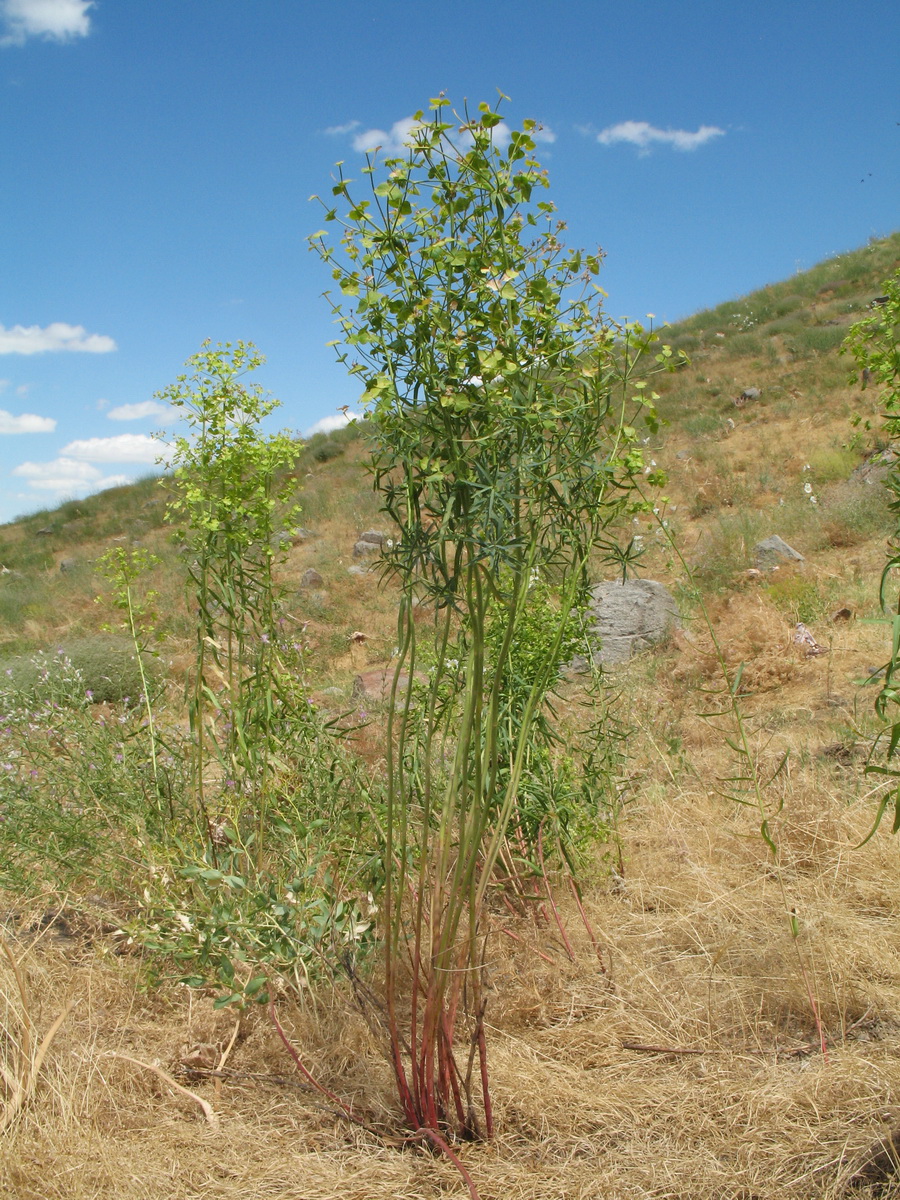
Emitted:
<point x="348" y="1112"/>
<point x="587" y="923"/>
<point x="450" y="1070"/>
<point x="554" y="909"/>
<point x="517" y="938"/>
<point x="823" y="1044"/>
<point x="436" y="1140"/>
<point x="485" y="1090"/>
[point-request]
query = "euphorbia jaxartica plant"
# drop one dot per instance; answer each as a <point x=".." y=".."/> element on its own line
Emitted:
<point x="504" y="405"/>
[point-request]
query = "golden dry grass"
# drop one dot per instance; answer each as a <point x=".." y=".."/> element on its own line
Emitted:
<point x="687" y="1066"/>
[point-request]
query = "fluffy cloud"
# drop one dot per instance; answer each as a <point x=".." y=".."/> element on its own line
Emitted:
<point x="26" y="423"/>
<point x="399" y="138"/>
<point x="67" y="477"/>
<point x="339" y="130"/>
<point x="329" y="424"/>
<point x="393" y="143"/>
<point x="124" y="447"/>
<point x="32" y="339"/>
<point x="56" y="20"/>
<point x="645" y="136"/>
<point x="137" y="412"/>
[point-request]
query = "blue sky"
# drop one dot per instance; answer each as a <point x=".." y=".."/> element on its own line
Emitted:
<point x="156" y="160"/>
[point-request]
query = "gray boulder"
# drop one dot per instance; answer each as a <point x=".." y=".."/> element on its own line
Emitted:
<point x="630" y="617"/>
<point x="311" y="578"/>
<point x="774" y="550"/>
<point x="375" y="536"/>
<point x="68" y="564"/>
<point x="876" y="468"/>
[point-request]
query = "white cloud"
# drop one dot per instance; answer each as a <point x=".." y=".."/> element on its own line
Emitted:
<point x="393" y="143"/>
<point x="329" y="424"/>
<point x="137" y="412"/>
<point x="339" y="130"/>
<point x="55" y="20"/>
<point x="645" y="136"/>
<point x="67" y="477"/>
<point x="26" y="423"/>
<point x="124" y="447"/>
<point x="399" y="138"/>
<point x="32" y="339"/>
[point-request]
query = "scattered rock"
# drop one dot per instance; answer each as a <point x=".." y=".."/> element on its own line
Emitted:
<point x="45" y="532"/>
<point x="804" y="638"/>
<point x="880" y="1163"/>
<point x="630" y="617"/>
<point x="375" y="536"/>
<point x="876" y="468"/>
<point x="750" y="393"/>
<point x="774" y="550"/>
<point x="311" y="578"/>
<point x="68" y="564"/>
<point x="842" y="614"/>
<point x="362" y="549"/>
<point x="753" y="573"/>
<point x="357" y="570"/>
<point x="303" y="535"/>
<point x="684" y="455"/>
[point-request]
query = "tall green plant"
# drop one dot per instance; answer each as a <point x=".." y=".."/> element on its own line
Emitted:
<point x="502" y="404"/>
<point x="233" y="503"/>
<point x="874" y="343"/>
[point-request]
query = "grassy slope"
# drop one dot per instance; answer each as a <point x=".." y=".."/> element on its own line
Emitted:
<point x="696" y="943"/>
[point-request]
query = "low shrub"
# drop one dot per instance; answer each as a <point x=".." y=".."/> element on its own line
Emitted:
<point x="107" y="665"/>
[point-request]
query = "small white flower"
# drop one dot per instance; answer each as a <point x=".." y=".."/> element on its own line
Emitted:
<point x="807" y="467"/>
<point x="807" y="487"/>
<point x="813" y="500"/>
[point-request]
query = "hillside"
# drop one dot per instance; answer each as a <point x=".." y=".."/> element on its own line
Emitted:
<point x="706" y="1019"/>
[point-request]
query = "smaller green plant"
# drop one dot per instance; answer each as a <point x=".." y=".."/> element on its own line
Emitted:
<point x="801" y="597"/>
<point x="123" y="569"/>
<point x="874" y="344"/>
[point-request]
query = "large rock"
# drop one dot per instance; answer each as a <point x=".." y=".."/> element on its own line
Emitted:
<point x="876" y="468"/>
<point x="630" y="617"/>
<point x="774" y="550"/>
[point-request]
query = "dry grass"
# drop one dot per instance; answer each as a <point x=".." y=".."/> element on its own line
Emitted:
<point x="687" y="1066"/>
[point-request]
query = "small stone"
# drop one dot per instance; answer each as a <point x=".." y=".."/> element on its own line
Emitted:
<point x="311" y="578"/>
<point x="356" y="570"/>
<point x="362" y="549"/>
<point x="842" y="614"/>
<point x="773" y="550"/>
<point x="68" y="564"/>
<point x="375" y="536"/>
